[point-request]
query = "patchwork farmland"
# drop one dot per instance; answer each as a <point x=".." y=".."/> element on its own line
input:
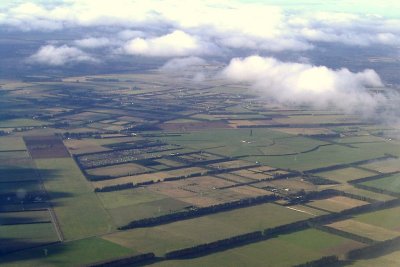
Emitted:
<point x="209" y="179"/>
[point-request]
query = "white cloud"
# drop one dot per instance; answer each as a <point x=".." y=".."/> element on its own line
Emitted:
<point x="129" y="34"/>
<point x="93" y="42"/>
<point x="197" y="27"/>
<point x="57" y="56"/>
<point x="349" y="29"/>
<point x="177" y="43"/>
<point x="297" y="83"/>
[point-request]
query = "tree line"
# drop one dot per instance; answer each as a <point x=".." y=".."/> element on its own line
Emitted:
<point x="196" y="212"/>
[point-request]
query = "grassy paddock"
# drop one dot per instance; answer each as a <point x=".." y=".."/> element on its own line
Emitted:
<point x="21" y="236"/>
<point x="285" y="250"/>
<point x="181" y="234"/>
<point x="391" y="183"/>
<point x="74" y="253"/>
<point x="77" y="207"/>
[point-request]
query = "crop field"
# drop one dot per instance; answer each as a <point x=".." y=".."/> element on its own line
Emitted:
<point x="194" y="126"/>
<point x="125" y="155"/>
<point x="249" y="191"/>
<point x="198" y="191"/>
<point x="138" y="203"/>
<point x="118" y="170"/>
<point x="317" y="119"/>
<point x="387" y="166"/>
<point x="307" y="209"/>
<point x="361" y="192"/>
<point x="84" y="146"/>
<point x="304" y="246"/>
<point x="12" y="143"/>
<point x="19" y="154"/>
<point x="391" y="259"/>
<point x="363" y="229"/>
<point x="93" y="145"/>
<point x="336" y="204"/>
<point x="231" y="164"/>
<point x="305" y="131"/>
<point x="46" y="147"/>
<point x="294" y="184"/>
<point x="252" y="175"/>
<point x="346" y="174"/>
<point x="234" y="178"/>
<point x="125" y="214"/>
<point x="91" y="116"/>
<point x="161" y="239"/>
<point x="14" y="123"/>
<point x="250" y="123"/>
<point x="169" y="162"/>
<point x="156" y="176"/>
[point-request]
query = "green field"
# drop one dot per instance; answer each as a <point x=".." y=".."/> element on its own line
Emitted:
<point x="391" y="183"/>
<point x="24" y="217"/>
<point x="74" y="253"/>
<point x="168" y="237"/>
<point x="134" y="204"/>
<point x="14" y="173"/>
<point x="285" y="250"/>
<point x="77" y="207"/>
<point x="20" y="123"/>
<point x="348" y="188"/>
<point x="20" y="187"/>
<point x="238" y="142"/>
<point x="14" y="237"/>
<point x="13" y="155"/>
<point x="387" y="218"/>
<point x="11" y="143"/>
<point x="388" y="260"/>
<point x="329" y="155"/>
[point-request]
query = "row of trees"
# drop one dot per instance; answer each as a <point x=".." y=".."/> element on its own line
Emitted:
<point x="195" y="212"/>
<point x="375" y="250"/>
<point x="341" y="166"/>
<point x="125" y="261"/>
<point x="322" y="262"/>
<point x="215" y="246"/>
<point x="377" y="190"/>
<point x="169" y="179"/>
<point x="124" y="186"/>
<point x="347" y="235"/>
<point x="289" y="228"/>
<point x="371" y="178"/>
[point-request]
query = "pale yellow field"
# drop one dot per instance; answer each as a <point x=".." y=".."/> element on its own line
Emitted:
<point x="337" y="203"/>
<point x="386" y="166"/>
<point x="346" y="174"/>
<point x="363" y="229"/>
